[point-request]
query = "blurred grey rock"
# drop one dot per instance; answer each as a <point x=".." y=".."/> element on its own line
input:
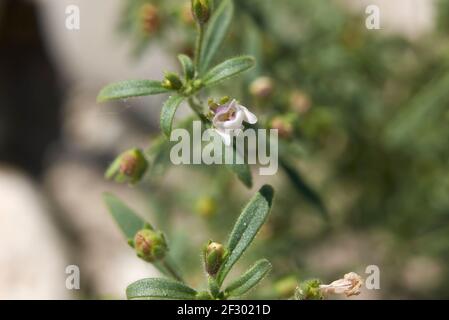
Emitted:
<point x="105" y="259"/>
<point x="32" y="254"/>
<point x="90" y="128"/>
<point x="95" y="54"/>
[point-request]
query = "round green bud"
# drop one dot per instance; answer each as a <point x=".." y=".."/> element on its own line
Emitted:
<point x="224" y="100"/>
<point x="286" y="286"/>
<point x="309" y="290"/>
<point x="283" y="125"/>
<point x="130" y="166"/>
<point x="197" y="84"/>
<point x="212" y="104"/>
<point x="206" y="207"/>
<point x="172" y="81"/>
<point x="201" y="10"/>
<point x="214" y="255"/>
<point x="150" y="245"/>
<point x="150" y="18"/>
<point x="299" y="102"/>
<point x="262" y="87"/>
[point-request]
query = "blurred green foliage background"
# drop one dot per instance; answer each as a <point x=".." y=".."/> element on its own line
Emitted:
<point x="368" y="128"/>
<point x="364" y="122"/>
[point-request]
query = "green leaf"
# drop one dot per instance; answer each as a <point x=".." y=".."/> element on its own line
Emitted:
<point x="249" y="279"/>
<point x="228" y="69"/>
<point x="168" y="112"/>
<point x="216" y="32"/>
<point x="159" y="288"/>
<point x="303" y="188"/>
<point x="187" y="66"/>
<point x="130" y="88"/>
<point x="242" y="171"/>
<point x="245" y="229"/>
<point x="127" y="220"/>
<point x="427" y="113"/>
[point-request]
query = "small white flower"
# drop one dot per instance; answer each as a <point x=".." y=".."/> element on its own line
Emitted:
<point x="228" y="120"/>
<point x="350" y="285"/>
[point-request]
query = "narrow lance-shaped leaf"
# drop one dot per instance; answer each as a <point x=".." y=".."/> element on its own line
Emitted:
<point x="243" y="172"/>
<point x="216" y="32"/>
<point x="168" y="112"/>
<point x="249" y="279"/>
<point x="240" y="169"/>
<point x="128" y="221"/>
<point x="301" y="186"/>
<point x="228" y="69"/>
<point x="245" y="229"/>
<point x="130" y="88"/>
<point x="187" y="66"/>
<point x="426" y="108"/>
<point x="159" y="288"/>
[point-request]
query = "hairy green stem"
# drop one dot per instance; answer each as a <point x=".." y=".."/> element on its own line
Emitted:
<point x="172" y="270"/>
<point x="199" y="45"/>
<point x="198" y="109"/>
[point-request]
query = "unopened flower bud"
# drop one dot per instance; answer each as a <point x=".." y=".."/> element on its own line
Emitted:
<point x="201" y="10"/>
<point x="172" y="81"/>
<point x="130" y="166"/>
<point x="212" y="104"/>
<point x="283" y="125"/>
<point x="197" y="84"/>
<point x="214" y="255"/>
<point x="286" y="286"/>
<point x="206" y="207"/>
<point x="150" y="245"/>
<point x="309" y="290"/>
<point x="186" y="14"/>
<point x="262" y="87"/>
<point x="150" y="18"/>
<point x="299" y="102"/>
<point x="224" y="99"/>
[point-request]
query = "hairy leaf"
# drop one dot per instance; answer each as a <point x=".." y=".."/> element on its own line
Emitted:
<point x="303" y="188"/>
<point x="168" y="112"/>
<point x="187" y="66"/>
<point x="128" y="221"/>
<point x="159" y="288"/>
<point x="249" y="279"/>
<point x="242" y="171"/>
<point x="245" y="229"/>
<point x="216" y="32"/>
<point x="228" y="69"/>
<point x="130" y="88"/>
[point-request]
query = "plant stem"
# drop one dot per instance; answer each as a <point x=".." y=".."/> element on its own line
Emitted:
<point x="199" y="45"/>
<point x="198" y="110"/>
<point x="214" y="289"/>
<point x="172" y="270"/>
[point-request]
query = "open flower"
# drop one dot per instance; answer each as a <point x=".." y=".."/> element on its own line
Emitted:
<point x="228" y="120"/>
<point x="350" y="285"/>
